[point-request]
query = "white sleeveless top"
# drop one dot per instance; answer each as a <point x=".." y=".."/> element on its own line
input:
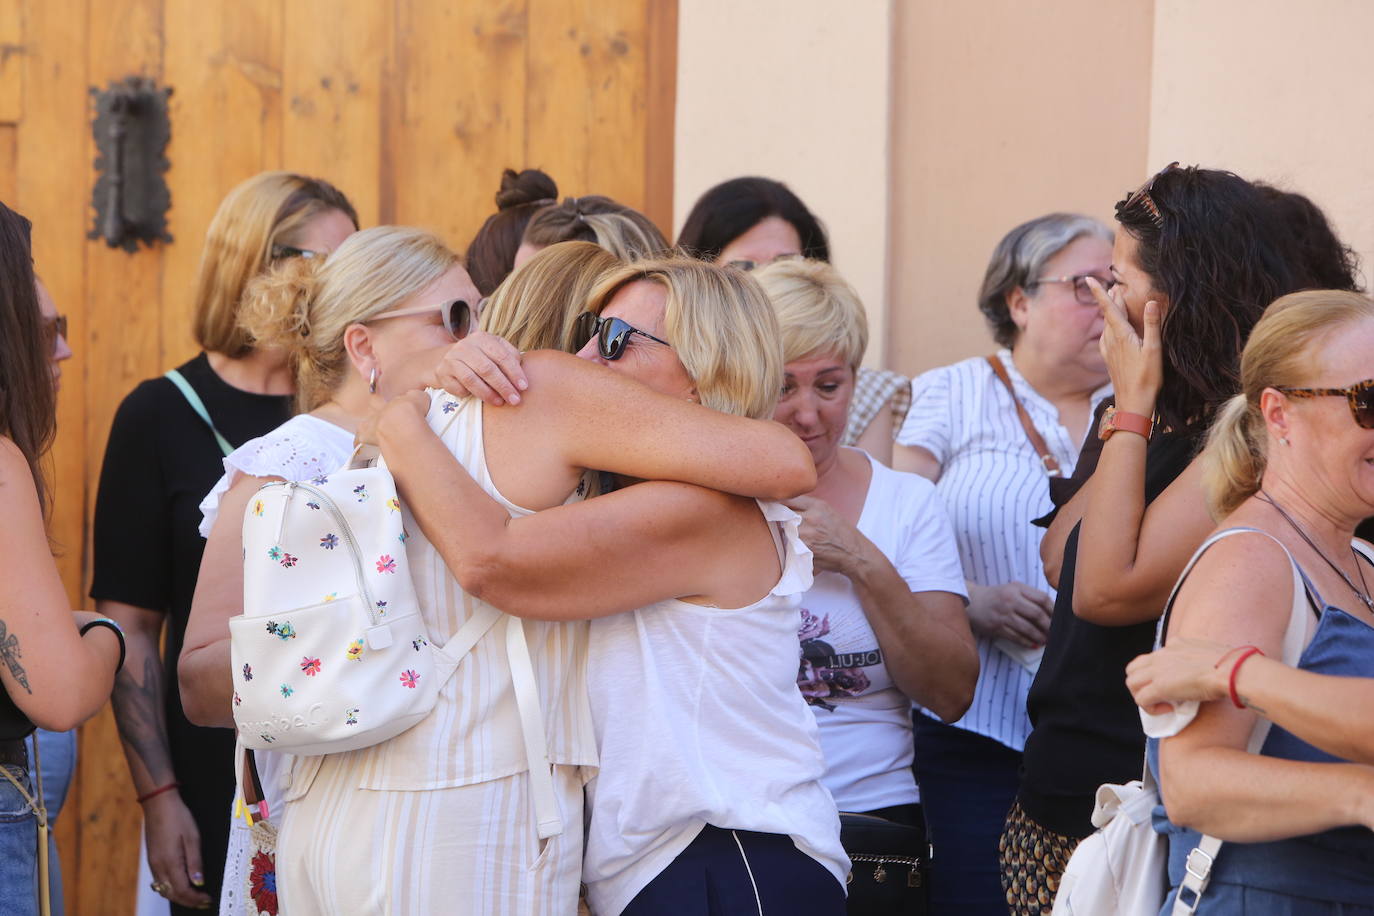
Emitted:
<point x="473" y="735"/>
<point x="699" y="721"/>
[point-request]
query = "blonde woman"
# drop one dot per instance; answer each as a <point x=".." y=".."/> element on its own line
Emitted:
<point x="709" y="781"/>
<point x="621" y="230"/>
<point x="1289" y="459"/>
<point x="165" y="450"/>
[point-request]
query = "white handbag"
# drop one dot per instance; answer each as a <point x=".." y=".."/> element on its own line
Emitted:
<point x="1123" y="868"/>
<point x="331" y="653"/>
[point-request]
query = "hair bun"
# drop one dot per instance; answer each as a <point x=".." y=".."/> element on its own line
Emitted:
<point x="526" y="187"/>
<point x="276" y="304"/>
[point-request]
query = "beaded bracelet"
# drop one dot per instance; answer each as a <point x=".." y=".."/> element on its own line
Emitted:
<point x="1235" y="669"/>
<point x="114" y="628"/>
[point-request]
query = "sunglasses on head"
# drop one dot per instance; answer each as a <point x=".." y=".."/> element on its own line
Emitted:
<point x="1360" y="396"/>
<point x="458" y="316"/>
<point x="1141" y="197"/>
<point x="612" y="334"/>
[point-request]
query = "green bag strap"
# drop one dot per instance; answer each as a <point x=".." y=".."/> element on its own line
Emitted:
<point x="176" y="378"/>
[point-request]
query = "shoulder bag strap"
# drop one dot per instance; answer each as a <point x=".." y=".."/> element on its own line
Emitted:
<point x="1198" y="868"/>
<point x="1036" y="440"/>
<point x="189" y="393"/>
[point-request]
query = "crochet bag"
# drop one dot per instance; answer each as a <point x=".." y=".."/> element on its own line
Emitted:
<point x="1123" y="867"/>
<point x="331" y="653"/>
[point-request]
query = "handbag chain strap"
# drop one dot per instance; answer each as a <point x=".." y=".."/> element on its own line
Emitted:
<point x="1037" y="441"/>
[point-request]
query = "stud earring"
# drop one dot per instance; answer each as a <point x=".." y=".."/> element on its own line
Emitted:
<point x="1284" y="440"/>
<point x="372" y="381"/>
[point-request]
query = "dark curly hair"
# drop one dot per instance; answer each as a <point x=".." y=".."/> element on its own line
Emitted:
<point x="733" y="207"/>
<point x="1328" y="262"/>
<point x="1212" y="245"/>
<point x="491" y="253"/>
<point x="28" y="401"/>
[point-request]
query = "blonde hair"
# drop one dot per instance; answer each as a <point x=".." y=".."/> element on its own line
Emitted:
<point x="535" y="307"/>
<point x="1281" y="353"/>
<point x="267" y="209"/>
<point x="621" y="230"/>
<point x="721" y="326"/>
<point x="818" y="311"/>
<point x="304" y="306"/>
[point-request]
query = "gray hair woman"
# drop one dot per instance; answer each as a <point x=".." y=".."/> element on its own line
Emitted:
<point x="990" y="432"/>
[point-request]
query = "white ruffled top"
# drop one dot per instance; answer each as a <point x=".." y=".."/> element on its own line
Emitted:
<point x="301" y="448"/>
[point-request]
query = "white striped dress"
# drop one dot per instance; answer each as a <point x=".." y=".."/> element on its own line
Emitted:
<point x="993" y="484"/>
<point x="438" y="819"/>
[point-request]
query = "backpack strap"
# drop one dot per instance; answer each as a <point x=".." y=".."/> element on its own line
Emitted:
<point x="1037" y="441"/>
<point x="189" y="393"/>
<point x="1198" y="867"/>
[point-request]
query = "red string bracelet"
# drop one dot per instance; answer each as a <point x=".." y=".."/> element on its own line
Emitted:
<point x="158" y="791"/>
<point x="1235" y="669"/>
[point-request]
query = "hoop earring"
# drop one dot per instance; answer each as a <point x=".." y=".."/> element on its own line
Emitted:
<point x="372" y="381"/>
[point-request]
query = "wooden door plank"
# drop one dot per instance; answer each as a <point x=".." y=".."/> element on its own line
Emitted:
<point x="123" y="300"/>
<point x="660" y="127"/>
<point x="11" y="62"/>
<point x="334" y="66"/>
<point x="587" y="95"/>
<point x="456" y="117"/>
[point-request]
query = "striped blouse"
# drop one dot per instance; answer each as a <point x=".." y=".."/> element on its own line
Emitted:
<point x="993" y="484"/>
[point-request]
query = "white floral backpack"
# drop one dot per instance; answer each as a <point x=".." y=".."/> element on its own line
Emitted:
<point x="331" y="653"/>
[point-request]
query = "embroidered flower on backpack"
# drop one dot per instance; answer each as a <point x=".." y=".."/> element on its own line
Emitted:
<point x="238" y="700"/>
<point x="247" y="671"/>
<point x="287" y="690"/>
<point x="274" y="553"/>
<point x="381" y="608"/>
<point x="403" y="536"/>
<point x="319" y="481"/>
<point x="385" y="564"/>
<point x="419" y="641"/>
<point x="311" y="666"/>
<point x="351" y="716"/>
<point x="410" y="679"/>
<point x="289" y="561"/>
<point x="330" y="597"/>
<point x="360" y="491"/>
<point x="393" y="504"/>
<point x="329" y="541"/>
<point x="257" y="508"/>
<point x="312" y="505"/>
<point x="281" y="630"/>
<point x="450" y="406"/>
<point x="354" y="652"/>
<point x="262" y="883"/>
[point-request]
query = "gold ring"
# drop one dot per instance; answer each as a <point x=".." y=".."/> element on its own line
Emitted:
<point x="160" y="888"/>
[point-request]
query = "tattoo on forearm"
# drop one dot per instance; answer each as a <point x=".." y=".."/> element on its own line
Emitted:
<point x="141" y="721"/>
<point x="9" y="652"/>
<point x="1252" y="707"/>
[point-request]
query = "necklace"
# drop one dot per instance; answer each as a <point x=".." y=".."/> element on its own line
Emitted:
<point x="1362" y="595"/>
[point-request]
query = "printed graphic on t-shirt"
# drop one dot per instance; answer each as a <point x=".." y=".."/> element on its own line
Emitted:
<point x="830" y="668"/>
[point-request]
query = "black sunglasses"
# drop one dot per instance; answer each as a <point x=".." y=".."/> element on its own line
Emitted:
<point x="1360" y="397"/>
<point x="457" y="314"/>
<point x="612" y="334"/>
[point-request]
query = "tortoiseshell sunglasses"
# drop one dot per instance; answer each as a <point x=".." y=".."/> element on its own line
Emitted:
<point x="1141" y="196"/>
<point x="1360" y="396"/>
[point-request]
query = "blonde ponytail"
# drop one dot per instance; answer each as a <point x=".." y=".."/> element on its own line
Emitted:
<point x="1234" y="459"/>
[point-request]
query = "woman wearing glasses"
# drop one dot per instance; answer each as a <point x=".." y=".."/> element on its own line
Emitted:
<point x="165" y="451"/>
<point x="708" y="796"/>
<point x="1199" y="256"/>
<point x="1291" y="461"/>
<point x="749" y="222"/>
<point x="969" y="429"/>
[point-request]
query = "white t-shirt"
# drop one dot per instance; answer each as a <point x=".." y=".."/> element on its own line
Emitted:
<point x="865" y="721"/>
<point x="301" y="448"/>
<point x="698" y="721"/>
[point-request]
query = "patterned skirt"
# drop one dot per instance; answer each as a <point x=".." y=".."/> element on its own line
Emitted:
<point x="1033" y="860"/>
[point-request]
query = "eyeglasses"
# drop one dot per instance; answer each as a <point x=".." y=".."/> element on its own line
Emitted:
<point x="1141" y="197"/>
<point x="53" y="328"/>
<point x="746" y="265"/>
<point x="1081" y="291"/>
<point x="457" y="314"/>
<point x="612" y="334"/>
<point x="1359" y="395"/>
<point x="281" y="252"/>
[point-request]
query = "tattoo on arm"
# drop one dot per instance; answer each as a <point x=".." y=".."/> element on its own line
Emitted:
<point x="141" y="720"/>
<point x="9" y="652"/>
<point x="1252" y="707"/>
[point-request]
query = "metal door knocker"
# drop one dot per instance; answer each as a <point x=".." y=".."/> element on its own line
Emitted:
<point x="131" y="130"/>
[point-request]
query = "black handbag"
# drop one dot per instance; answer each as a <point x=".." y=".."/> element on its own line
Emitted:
<point x="888" y="861"/>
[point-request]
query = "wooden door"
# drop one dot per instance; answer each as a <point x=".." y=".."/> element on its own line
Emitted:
<point x="412" y="107"/>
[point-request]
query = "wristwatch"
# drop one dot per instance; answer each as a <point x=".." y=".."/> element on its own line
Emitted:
<point x="1114" y="421"/>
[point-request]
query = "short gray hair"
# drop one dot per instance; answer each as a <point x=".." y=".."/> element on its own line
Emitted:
<point x="1019" y="258"/>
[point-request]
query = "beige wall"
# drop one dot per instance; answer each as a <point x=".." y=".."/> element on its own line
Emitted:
<point x="1002" y="111"/>
<point x="795" y="90"/>
<point x="1272" y="92"/>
